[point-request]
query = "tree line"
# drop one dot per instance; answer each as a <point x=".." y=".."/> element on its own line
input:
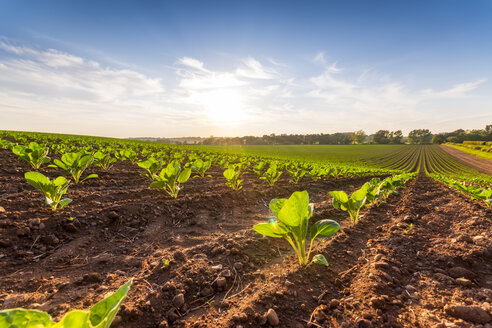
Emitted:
<point x="417" y="136"/>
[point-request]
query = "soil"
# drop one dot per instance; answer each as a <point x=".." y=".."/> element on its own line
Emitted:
<point x="421" y="259"/>
<point x="480" y="164"/>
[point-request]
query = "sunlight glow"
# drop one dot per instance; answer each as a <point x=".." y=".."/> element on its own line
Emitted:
<point x="223" y="107"/>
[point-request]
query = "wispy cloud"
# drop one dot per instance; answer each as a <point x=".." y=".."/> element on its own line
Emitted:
<point x="48" y="89"/>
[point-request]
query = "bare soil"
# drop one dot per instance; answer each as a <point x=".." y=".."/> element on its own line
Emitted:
<point x="481" y="164"/>
<point x="410" y="262"/>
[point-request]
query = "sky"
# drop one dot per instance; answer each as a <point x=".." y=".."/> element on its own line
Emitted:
<point x="234" y="68"/>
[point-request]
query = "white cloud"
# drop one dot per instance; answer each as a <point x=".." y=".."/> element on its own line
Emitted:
<point x="51" y="90"/>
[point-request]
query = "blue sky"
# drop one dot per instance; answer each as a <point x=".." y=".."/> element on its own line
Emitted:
<point x="199" y="68"/>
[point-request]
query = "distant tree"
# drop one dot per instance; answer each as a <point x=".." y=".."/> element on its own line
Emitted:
<point x="438" y="139"/>
<point x="420" y="136"/>
<point x="359" y="136"/>
<point x="381" y="137"/>
<point x="453" y="139"/>
<point x="396" y="137"/>
<point x="488" y="129"/>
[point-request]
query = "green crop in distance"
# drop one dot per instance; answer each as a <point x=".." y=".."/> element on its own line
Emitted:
<point x="52" y="189"/>
<point x="291" y="223"/>
<point x="99" y="316"/>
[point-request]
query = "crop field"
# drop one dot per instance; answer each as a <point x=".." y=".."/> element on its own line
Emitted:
<point x="242" y="236"/>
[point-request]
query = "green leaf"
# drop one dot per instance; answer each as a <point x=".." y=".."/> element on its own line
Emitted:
<point x="229" y="174"/>
<point x="74" y="319"/>
<point x="64" y="202"/>
<point x="295" y="209"/>
<point x="36" y="179"/>
<point x="20" y="318"/>
<point x="323" y="229"/>
<point x="103" y="313"/>
<point x="339" y="197"/>
<point x="271" y="229"/>
<point x="320" y="259"/>
<point x="276" y="205"/>
<point x="360" y="194"/>
<point x="91" y="176"/>
<point x="184" y="176"/>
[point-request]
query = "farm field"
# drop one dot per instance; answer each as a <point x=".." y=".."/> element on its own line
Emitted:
<point x="419" y="256"/>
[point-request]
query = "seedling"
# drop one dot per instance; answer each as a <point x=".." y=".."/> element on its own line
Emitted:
<point x="353" y="204"/>
<point x="34" y="154"/>
<point x="52" y="189"/>
<point x="233" y="174"/>
<point x="104" y="160"/>
<point x="200" y="167"/>
<point x="75" y="164"/>
<point x="101" y="315"/>
<point x="291" y="223"/>
<point x="171" y="178"/>
<point x="271" y="175"/>
<point x="152" y="166"/>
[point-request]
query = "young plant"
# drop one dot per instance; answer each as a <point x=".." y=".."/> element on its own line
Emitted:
<point x="353" y="204"/>
<point x="296" y="172"/>
<point x="171" y="178"/>
<point x="101" y="315"/>
<point x="259" y="167"/>
<point x="233" y="174"/>
<point x="103" y="160"/>
<point x="291" y="223"/>
<point x="271" y="175"/>
<point x="126" y="155"/>
<point x="75" y="164"/>
<point x="52" y="189"/>
<point x="34" y="154"/>
<point x="152" y="166"/>
<point x="201" y="167"/>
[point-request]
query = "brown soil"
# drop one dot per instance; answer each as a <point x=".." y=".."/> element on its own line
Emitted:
<point x="379" y="275"/>
<point x="481" y="164"/>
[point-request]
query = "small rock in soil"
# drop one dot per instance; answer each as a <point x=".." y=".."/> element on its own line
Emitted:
<point x="459" y="272"/>
<point x="207" y="291"/>
<point x="381" y="265"/>
<point x="94" y="277"/>
<point x="272" y="317"/>
<point x="221" y="282"/>
<point x="464" y="282"/>
<point x="469" y="313"/>
<point x="113" y="216"/>
<point x="179" y="256"/>
<point x="363" y="323"/>
<point x="178" y="300"/>
<point x="2" y="210"/>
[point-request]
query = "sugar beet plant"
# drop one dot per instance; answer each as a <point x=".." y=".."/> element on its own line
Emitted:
<point x="100" y="315"/>
<point x="171" y="178"/>
<point x="291" y="223"/>
<point x="352" y="204"/>
<point x="34" y="154"/>
<point x="103" y="160"/>
<point x="52" y="189"/>
<point x="272" y="174"/>
<point x="200" y="167"/>
<point x="233" y="174"/>
<point x="75" y="164"/>
<point x="152" y="166"/>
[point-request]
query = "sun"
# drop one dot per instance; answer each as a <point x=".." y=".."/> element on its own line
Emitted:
<point x="223" y="107"/>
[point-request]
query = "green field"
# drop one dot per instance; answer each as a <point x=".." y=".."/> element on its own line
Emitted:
<point x="315" y="153"/>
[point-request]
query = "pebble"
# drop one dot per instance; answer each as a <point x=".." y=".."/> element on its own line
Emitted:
<point x="459" y="272"/>
<point x="272" y="317"/>
<point x="2" y="210"/>
<point x="381" y="265"/>
<point x="221" y="282"/>
<point x="474" y="314"/>
<point x="217" y="267"/>
<point x="113" y="216"/>
<point x="464" y="282"/>
<point x="178" y="300"/>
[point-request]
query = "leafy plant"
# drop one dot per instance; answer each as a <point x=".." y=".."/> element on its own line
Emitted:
<point x="75" y="164"/>
<point x="52" y="189"/>
<point x="103" y="160"/>
<point x="353" y="204"/>
<point x="100" y="315"/>
<point x="271" y="175"/>
<point x="291" y="223"/>
<point x="152" y="166"/>
<point x="171" y="178"/>
<point x="233" y="174"/>
<point x="34" y="154"/>
<point x="126" y="155"/>
<point x="200" y="166"/>
<point x="296" y="172"/>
